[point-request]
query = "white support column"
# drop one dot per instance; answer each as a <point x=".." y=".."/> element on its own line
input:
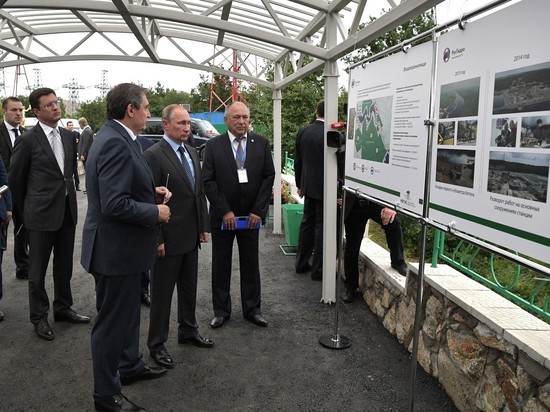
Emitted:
<point x="330" y="178"/>
<point x="277" y="150"/>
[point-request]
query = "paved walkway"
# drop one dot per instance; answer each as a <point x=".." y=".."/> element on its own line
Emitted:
<point x="278" y="368"/>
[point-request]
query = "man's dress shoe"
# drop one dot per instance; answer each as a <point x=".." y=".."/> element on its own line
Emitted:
<point x="147" y="373"/>
<point x="117" y="403"/>
<point x="304" y="269"/>
<point x="69" y="315"/>
<point x="257" y="320"/>
<point x="218" y="321"/>
<point x="317" y="276"/>
<point x="1" y="316"/>
<point x="402" y="269"/>
<point x="197" y="340"/>
<point x="77" y="189"/>
<point x="146" y="299"/>
<point x="43" y="330"/>
<point x="162" y="358"/>
<point x="348" y="295"/>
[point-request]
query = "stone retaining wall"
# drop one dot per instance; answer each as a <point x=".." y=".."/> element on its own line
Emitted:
<point x="479" y="369"/>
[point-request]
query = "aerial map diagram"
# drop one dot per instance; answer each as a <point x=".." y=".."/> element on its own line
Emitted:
<point x="372" y="129"/>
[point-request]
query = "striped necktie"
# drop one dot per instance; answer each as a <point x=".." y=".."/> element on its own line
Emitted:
<point x="57" y="148"/>
<point x="187" y="167"/>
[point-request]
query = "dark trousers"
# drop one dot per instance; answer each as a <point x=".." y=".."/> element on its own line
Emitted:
<point x="173" y="271"/>
<point x="41" y="244"/>
<point x="145" y="280"/>
<point x="20" y="245"/>
<point x="310" y="239"/>
<point x="115" y="335"/>
<point x="355" y="225"/>
<point x="222" y="249"/>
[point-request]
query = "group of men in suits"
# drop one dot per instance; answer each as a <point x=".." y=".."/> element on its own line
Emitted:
<point x="149" y="210"/>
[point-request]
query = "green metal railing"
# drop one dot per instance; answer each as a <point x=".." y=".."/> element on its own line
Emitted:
<point x="509" y="280"/>
<point x="288" y="165"/>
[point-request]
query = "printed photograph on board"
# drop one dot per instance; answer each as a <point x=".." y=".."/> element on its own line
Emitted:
<point x="446" y="133"/>
<point x="467" y="133"/>
<point x="459" y="99"/>
<point x="373" y="129"/>
<point x="455" y="167"/>
<point x="504" y="132"/>
<point x="522" y="90"/>
<point x="519" y="174"/>
<point x="535" y="132"/>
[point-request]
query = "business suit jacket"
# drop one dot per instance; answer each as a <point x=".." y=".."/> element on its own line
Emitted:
<point x="179" y="266"/>
<point x="37" y="183"/>
<point x="189" y="214"/>
<point x="85" y="142"/>
<point x="119" y="234"/>
<point x="5" y="206"/>
<point x="309" y="164"/>
<point x="6" y="146"/>
<point x="221" y="183"/>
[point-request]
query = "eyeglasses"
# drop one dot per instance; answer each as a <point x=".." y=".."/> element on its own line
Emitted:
<point x="50" y="105"/>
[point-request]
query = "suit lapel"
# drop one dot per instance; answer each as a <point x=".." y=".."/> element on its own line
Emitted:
<point x="44" y="142"/>
<point x="229" y="153"/>
<point x="6" y="135"/>
<point x="173" y="158"/>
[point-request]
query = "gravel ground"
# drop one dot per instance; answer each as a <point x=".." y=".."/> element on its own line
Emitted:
<point x="278" y="368"/>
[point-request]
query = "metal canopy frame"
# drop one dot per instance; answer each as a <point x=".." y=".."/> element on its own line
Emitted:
<point x="196" y="34"/>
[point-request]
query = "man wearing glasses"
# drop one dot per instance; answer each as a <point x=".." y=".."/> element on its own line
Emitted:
<point x="41" y="180"/>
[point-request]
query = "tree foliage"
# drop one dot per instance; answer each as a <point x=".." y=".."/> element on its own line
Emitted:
<point x="95" y="112"/>
<point x="420" y="24"/>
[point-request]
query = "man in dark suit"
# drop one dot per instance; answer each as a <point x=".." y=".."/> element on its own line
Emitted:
<point x="5" y="216"/>
<point x="41" y="181"/>
<point x="119" y="243"/>
<point x="10" y="130"/>
<point x="76" y="135"/>
<point x="238" y="175"/>
<point x="178" y="241"/>
<point x="145" y="144"/>
<point x="85" y="141"/>
<point x="309" y="166"/>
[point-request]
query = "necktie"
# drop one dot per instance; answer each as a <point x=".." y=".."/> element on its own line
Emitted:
<point x="187" y="167"/>
<point x="138" y="144"/>
<point x="240" y="153"/>
<point x="15" y="132"/>
<point x="57" y="148"/>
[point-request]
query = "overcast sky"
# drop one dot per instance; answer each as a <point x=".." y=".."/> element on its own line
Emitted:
<point x="88" y="74"/>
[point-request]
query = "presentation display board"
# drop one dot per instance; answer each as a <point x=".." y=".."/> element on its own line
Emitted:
<point x="386" y="138"/>
<point x="491" y="152"/>
<point x="491" y="157"/>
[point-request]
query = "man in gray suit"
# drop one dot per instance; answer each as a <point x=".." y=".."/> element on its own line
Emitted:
<point x="10" y="131"/>
<point x="41" y="181"/>
<point x="177" y="164"/>
<point x="119" y="243"/>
